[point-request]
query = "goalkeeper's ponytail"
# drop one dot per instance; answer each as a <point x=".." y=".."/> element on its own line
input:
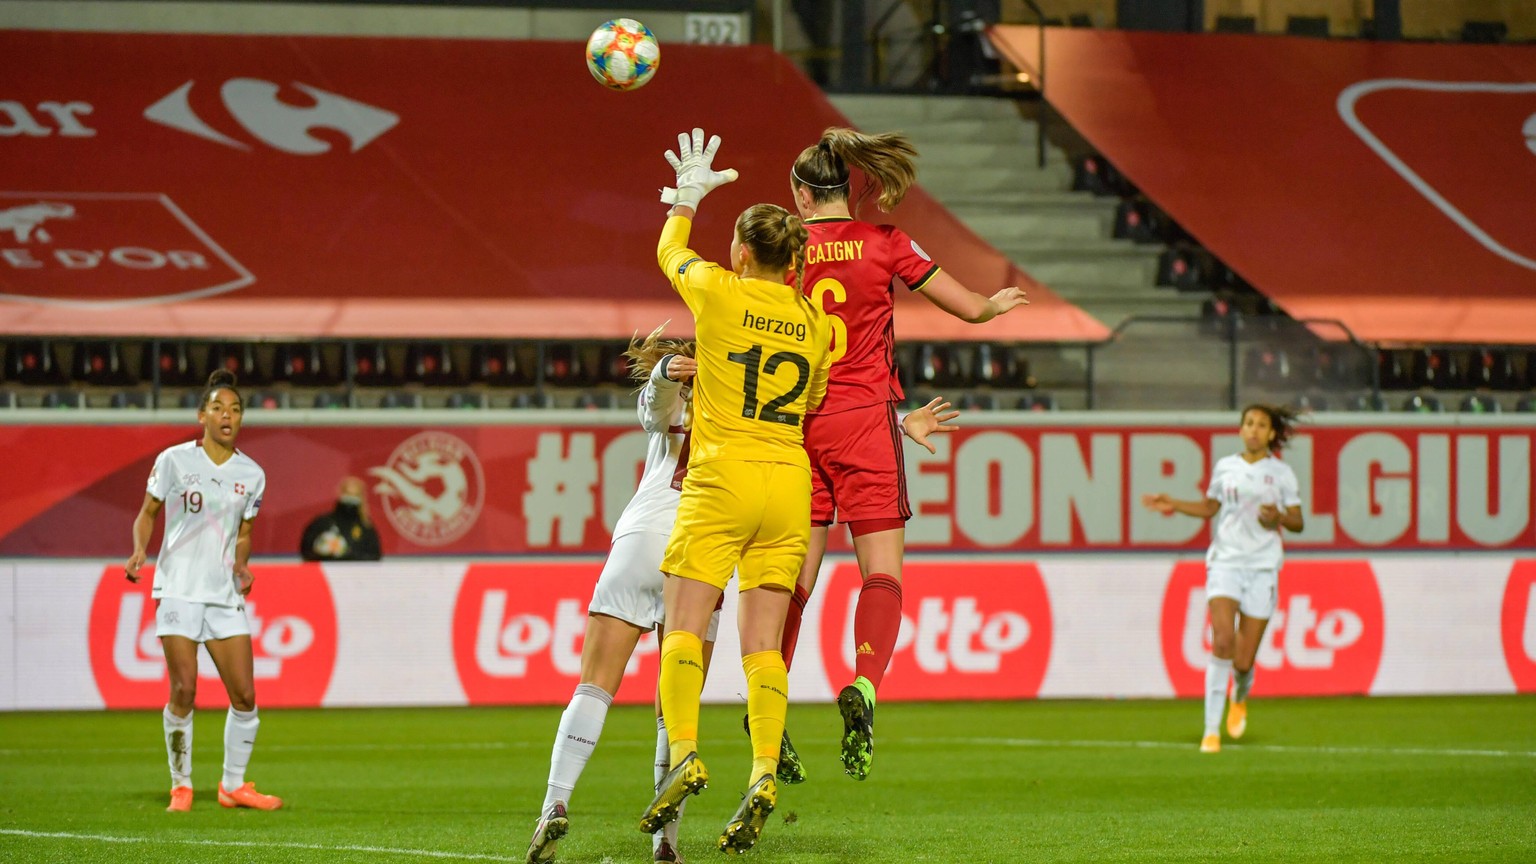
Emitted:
<point x="775" y="236"/>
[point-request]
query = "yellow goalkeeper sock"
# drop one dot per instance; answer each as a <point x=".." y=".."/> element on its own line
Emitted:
<point x="767" y="706"/>
<point x="682" y="680"/>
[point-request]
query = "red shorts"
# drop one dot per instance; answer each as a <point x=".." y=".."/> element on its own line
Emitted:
<point x="857" y="471"/>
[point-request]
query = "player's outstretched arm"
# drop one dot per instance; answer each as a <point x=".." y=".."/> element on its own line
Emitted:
<point x="143" y="526"/>
<point x="927" y="420"/>
<point x="946" y="292"/>
<point x="1205" y="508"/>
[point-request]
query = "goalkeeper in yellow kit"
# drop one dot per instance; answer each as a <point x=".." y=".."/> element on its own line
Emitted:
<point x="746" y="499"/>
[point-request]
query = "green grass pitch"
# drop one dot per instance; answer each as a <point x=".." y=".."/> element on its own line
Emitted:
<point x="1315" y="780"/>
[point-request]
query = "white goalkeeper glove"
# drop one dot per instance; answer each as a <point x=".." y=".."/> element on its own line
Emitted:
<point x="696" y="176"/>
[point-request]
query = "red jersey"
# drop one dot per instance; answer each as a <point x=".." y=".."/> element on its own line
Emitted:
<point x="851" y="269"/>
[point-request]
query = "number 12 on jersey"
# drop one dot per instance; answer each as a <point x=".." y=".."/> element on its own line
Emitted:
<point x="755" y="368"/>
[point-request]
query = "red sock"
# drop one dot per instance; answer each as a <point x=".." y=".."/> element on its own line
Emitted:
<point x="875" y="625"/>
<point x="792" y="624"/>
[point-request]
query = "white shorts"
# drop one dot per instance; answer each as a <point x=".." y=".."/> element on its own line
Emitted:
<point x="1256" y="591"/>
<point x="630" y="586"/>
<point x="199" y="622"/>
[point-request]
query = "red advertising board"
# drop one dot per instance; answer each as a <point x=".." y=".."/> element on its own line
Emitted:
<point x="293" y="641"/>
<point x="223" y="185"/>
<point x="508" y="489"/>
<point x="454" y="631"/>
<point x="1324" y="638"/>
<point x="1306" y="166"/>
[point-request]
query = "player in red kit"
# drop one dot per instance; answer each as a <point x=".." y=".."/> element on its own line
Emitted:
<point x="854" y="438"/>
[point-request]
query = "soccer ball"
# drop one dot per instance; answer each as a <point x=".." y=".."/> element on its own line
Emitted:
<point x="623" y="54"/>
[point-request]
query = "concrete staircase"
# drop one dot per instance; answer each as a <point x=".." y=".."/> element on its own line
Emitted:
<point x="978" y="158"/>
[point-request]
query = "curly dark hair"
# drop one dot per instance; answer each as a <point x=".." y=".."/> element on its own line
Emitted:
<point x="1282" y="419"/>
<point x="219" y="379"/>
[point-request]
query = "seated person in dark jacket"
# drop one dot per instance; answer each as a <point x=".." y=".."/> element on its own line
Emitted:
<point x="346" y="533"/>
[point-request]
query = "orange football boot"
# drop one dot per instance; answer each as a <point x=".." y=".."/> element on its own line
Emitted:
<point x="247" y="796"/>
<point x="181" y="800"/>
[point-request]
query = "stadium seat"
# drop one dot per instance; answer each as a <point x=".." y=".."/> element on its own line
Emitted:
<point x="973" y="401"/>
<point x="1307" y="25"/>
<point x="267" y="399"/>
<point x="330" y="399"/>
<point x="1480" y="403"/>
<point x="237" y="357"/>
<point x="301" y="363"/>
<point x="1527" y="404"/>
<point x="430" y="363"/>
<point x="1436" y="369"/>
<point x="131" y="399"/>
<point x="613" y="366"/>
<point x="530" y="399"/>
<point x="1219" y="315"/>
<point x="1095" y="174"/>
<point x="371" y="366"/>
<point x="172" y="361"/>
<point x="597" y="399"/>
<point x="33" y="361"/>
<point x="497" y="364"/>
<point x="1306" y="402"/>
<point x="563" y="366"/>
<point x="1395" y="369"/>
<point x="1423" y="403"/>
<point x="933" y="365"/>
<point x="1045" y="402"/>
<point x="466" y="399"/>
<point x="1267" y="365"/>
<point x="1484" y="32"/>
<point x="1185" y="268"/>
<point x="400" y="399"/>
<point x="63" y="399"/>
<point x="98" y="363"/>
<point x="1368" y="402"/>
<point x="8" y="399"/>
<point x="190" y="398"/>
<point x="996" y="365"/>
<point x="1132" y="222"/>
<point x="1236" y="24"/>
<point x="1496" y="370"/>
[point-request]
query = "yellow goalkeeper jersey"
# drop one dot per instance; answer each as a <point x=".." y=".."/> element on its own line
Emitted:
<point x="762" y="353"/>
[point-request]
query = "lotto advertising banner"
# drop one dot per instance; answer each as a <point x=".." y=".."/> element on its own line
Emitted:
<point x="439" y="632"/>
<point x="225" y="185"/>
<point x="1382" y="184"/>
<point x="478" y="489"/>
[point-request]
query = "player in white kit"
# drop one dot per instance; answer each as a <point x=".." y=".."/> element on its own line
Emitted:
<point x="210" y="493"/>
<point x="1252" y="495"/>
<point x="626" y="603"/>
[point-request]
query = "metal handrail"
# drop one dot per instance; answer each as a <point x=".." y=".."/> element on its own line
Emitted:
<point x="1045" y="106"/>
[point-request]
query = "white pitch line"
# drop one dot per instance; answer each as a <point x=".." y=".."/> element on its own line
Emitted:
<point x="264" y="844"/>
<point x="1039" y="743"/>
<point x="325" y="748"/>
<point x="1046" y="743"/>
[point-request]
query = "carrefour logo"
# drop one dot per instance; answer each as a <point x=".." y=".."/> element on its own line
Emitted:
<point x="255" y="105"/>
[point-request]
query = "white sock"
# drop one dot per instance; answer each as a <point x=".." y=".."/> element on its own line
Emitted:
<point x="1217" y="673"/>
<point x="239" y="740"/>
<point x="580" y="727"/>
<point x="178" y="746"/>
<point x="1242" y="682"/>
<point x="663" y="764"/>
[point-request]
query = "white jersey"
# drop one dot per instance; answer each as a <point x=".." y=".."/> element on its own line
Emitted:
<point x="1237" y="539"/>
<point x="654" y="507"/>
<point x="204" y="506"/>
